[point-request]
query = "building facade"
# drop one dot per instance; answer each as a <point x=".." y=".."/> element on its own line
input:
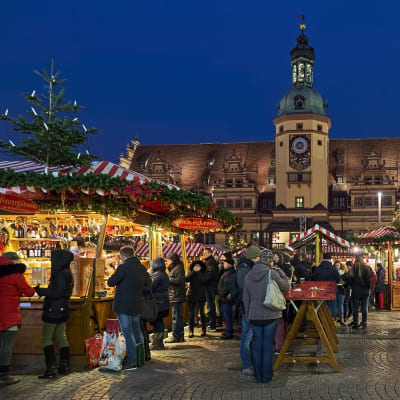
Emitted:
<point x="281" y="188"/>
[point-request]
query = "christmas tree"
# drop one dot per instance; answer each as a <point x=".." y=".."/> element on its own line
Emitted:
<point x="54" y="135"/>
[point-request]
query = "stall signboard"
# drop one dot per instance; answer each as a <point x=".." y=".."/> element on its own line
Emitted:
<point x="15" y="204"/>
<point x="196" y="224"/>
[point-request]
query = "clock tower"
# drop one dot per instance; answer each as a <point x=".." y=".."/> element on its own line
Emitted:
<point x="302" y="136"/>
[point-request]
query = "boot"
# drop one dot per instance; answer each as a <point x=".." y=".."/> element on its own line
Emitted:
<point x="147" y="354"/>
<point x="158" y="343"/>
<point x="6" y="379"/>
<point x="140" y="354"/>
<point x="51" y="369"/>
<point x="63" y="369"/>
<point x="191" y="332"/>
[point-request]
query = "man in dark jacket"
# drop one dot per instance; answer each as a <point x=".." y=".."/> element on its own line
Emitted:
<point x="300" y="270"/>
<point x="227" y="294"/>
<point x="212" y="271"/>
<point x="56" y="312"/>
<point x="326" y="272"/>
<point x="129" y="278"/>
<point x="253" y="254"/>
<point x="177" y="295"/>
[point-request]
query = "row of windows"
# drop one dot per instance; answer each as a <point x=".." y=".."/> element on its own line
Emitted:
<point x="387" y="201"/>
<point x="235" y="203"/>
<point x="299" y="127"/>
<point x="294" y="177"/>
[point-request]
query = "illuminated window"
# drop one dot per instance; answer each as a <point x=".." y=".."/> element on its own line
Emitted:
<point x="299" y="202"/>
<point x="308" y="73"/>
<point x="294" y="73"/>
<point x="339" y="179"/>
<point x="301" y="72"/>
<point x="271" y="180"/>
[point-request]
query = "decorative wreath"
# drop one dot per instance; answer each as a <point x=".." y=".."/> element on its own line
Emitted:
<point x="4" y="237"/>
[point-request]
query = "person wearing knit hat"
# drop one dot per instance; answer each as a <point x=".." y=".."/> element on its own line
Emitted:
<point x="12" y="286"/>
<point x="253" y="252"/>
<point x="227" y="293"/>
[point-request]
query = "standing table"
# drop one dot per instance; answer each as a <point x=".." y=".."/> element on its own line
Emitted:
<point x="313" y="296"/>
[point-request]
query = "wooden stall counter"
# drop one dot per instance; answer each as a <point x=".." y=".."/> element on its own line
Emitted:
<point x="87" y="317"/>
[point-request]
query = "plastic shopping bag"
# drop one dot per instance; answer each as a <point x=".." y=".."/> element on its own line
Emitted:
<point x="108" y="348"/>
<point x="115" y="361"/>
<point x="93" y="350"/>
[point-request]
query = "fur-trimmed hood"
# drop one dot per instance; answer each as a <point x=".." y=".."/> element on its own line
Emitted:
<point x="9" y="269"/>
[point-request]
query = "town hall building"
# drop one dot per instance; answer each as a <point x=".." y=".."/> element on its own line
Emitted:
<point x="281" y="188"/>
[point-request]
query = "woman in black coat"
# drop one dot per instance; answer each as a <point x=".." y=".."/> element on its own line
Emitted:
<point x="196" y="294"/>
<point x="159" y="287"/>
<point x="56" y="312"/>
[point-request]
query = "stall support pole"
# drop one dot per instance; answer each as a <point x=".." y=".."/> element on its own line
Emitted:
<point x="390" y="276"/>
<point x="318" y="254"/>
<point x="102" y="237"/>
<point x="182" y="239"/>
<point x="152" y="229"/>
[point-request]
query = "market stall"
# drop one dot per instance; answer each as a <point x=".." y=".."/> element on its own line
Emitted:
<point x="384" y="239"/>
<point x="323" y="240"/>
<point x="93" y="211"/>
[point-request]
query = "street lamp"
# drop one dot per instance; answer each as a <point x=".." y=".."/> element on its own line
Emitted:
<point x="379" y="209"/>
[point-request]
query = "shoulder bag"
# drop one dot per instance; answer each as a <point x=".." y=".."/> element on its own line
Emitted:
<point x="274" y="299"/>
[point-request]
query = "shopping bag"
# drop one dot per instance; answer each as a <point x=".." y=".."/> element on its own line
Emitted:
<point x="274" y="299"/>
<point x="107" y="348"/>
<point x="93" y="350"/>
<point x="115" y="361"/>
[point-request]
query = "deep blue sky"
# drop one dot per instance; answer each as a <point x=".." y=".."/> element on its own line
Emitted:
<point x="181" y="71"/>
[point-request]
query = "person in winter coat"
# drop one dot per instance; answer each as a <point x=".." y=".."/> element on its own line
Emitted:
<point x="177" y="295"/>
<point x="56" y="312"/>
<point x="326" y="272"/>
<point x="253" y="254"/>
<point x="196" y="294"/>
<point x="159" y="288"/>
<point x="380" y="287"/>
<point x="372" y="279"/>
<point x="263" y="320"/>
<point x="212" y="283"/>
<point x="348" y="309"/>
<point x="12" y="286"/>
<point x="286" y="267"/>
<point x="300" y="270"/>
<point x="129" y="278"/>
<point x="360" y="284"/>
<point x="340" y="288"/>
<point x="227" y="294"/>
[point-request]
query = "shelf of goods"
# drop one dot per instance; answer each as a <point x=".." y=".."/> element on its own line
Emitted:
<point x="34" y="237"/>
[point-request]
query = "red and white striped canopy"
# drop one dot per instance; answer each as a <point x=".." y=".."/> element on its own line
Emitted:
<point x="329" y="235"/>
<point x="378" y="233"/>
<point x="192" y="249"/>
<point x="96" y="168"/>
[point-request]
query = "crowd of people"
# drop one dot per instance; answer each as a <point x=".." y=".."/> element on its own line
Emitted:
<point x="217" y="294"/>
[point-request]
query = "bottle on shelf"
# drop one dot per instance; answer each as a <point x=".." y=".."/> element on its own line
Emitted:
<point x="31" y="251"/>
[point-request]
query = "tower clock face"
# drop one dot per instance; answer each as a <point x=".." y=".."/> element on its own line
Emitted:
<point x="300" y="145"/>
<point x="300" y="152"/>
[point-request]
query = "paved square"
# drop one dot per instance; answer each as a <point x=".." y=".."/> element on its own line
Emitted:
<point x="210" y="369"/>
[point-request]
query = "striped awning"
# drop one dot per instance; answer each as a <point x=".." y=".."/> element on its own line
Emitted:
<point x="378" y="233"/>
<point x="96" y="168"/>
<point x="308" y="234"/>
<point x="192" y="249"/>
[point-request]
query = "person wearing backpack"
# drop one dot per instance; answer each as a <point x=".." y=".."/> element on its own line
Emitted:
<point x="227" y="295"/>
<point x="263" y="320"/>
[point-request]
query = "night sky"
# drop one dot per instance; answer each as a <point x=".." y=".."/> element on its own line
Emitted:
<point x="181" y="71"/>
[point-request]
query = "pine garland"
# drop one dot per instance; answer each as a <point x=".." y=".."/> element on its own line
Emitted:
<point x="168" y="204"/>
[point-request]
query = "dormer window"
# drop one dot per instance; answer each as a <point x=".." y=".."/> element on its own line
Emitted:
<point x="233" y="166"/>
<point x="158" y="168"/>
<point x="299" y="103"/>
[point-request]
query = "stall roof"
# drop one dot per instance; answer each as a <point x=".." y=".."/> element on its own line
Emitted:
<point x="96" y="168"/>
<point x="310" y="234"/>
<point x="192" y="249"/>
<point x="378" y="233"/>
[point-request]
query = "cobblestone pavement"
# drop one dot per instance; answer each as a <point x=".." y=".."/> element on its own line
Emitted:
<point x="210" y="369"/>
